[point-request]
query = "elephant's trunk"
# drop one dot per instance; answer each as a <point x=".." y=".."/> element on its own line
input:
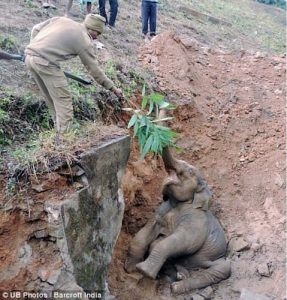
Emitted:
<point x="168" y="160"/>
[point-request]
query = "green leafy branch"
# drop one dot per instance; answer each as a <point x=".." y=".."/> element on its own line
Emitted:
<point x="152" y="136"/>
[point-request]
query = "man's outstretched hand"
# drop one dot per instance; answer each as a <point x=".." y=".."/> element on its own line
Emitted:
<point x="118" y="92"/>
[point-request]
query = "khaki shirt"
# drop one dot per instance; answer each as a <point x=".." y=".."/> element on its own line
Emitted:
<point x="59" y="39"/>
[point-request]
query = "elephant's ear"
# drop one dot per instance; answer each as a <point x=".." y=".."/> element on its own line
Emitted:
<point x="202" y="196"/>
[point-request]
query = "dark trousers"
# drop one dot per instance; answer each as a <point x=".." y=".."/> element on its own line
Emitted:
<point x="149" y="10"/>
<point x="113" y="11"/>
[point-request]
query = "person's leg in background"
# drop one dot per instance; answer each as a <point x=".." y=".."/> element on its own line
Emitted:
<point x="153" y="15"/>
<point x="102" y="9"/>
<point x="113" y="12"/>
<point x="68" y="7"/>
<point x="144" y="15"/>
<point x="89" y="7"/>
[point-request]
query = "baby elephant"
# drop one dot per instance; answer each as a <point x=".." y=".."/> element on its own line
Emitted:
<point x="182" y="231"/>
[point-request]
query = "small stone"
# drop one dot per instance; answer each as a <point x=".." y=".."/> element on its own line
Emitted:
<point x="251" y="157"/>
<point x="53" y="278"/>
<point x="278" y="180"/>
<point x="278" y="92"/>
<point x="258" y="54"/>
<point x="255" y="247"/>
<point x="197" y="297"/>
<point x="39" y="188"/>
<point x="263" y="270"/>
<point x="39" y="234"/>
<point x="249" y="295"/>
<point x="207" y="293"/>
<point x="78" y="185"/>
<point x="238" y="244"/>
<point x="43" y="275"/>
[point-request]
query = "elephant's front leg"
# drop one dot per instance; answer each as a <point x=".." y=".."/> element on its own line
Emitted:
<point x="148" y="234"/>
<point x="140" y="244"/>
<point x="217" y="270"/>
<point x="170" y="246"/>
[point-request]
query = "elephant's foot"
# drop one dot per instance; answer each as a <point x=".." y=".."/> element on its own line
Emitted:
<point x="130" y="264"/>
<point x="147" y="269"/>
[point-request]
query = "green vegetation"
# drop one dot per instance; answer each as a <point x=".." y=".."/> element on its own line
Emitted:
<point x="278" y="3"/>
<point x="152" y="136"/>
<point x="21" y="116"/>
<point x="29" y="4"/>
<point x="8" y="43"/>
<point x="252" y="25"/>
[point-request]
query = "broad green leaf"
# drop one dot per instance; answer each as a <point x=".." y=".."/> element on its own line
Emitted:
<point x="155" y="144"/>
<point x="144" y="102"/>
<point x="132" y="120"/>
<point x="136" y="127"/>
<point x="163" y="104"/>
<point x="156" y="110"/>
<point x="151" y="105"/>
<point x="143" y="91"/>
<point x="156" y="97"/>
<point x="147" y="145"/>
<point x="143" y="121"/>
<point x="147" y="127"/>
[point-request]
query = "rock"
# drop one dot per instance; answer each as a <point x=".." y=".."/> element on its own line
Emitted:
<point x="39" y="234"/>
<point x="258" y="54"/>
<point x="53" y="212"/>
<point x="207" y="293"/>
<point x="43" y="275"/>
<point x="255" y="246"/>
<point x="249" y="295"/>
<point x="189" y="43"/>
<point x="53" y="278"/>
<point x="197" y="297"/>
<point x="73" y="171"/>
<point x="278" y="180"/>
<point x="238" y="244"/>
<point x="278" y="67"/>
<point x="278" y="92"/>
<point x="263" y="270"/>
<point x="78" y="185"/>
<point x="39" y="188"/>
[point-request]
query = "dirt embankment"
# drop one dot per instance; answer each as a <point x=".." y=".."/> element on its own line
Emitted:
<point x="230" y="117"/>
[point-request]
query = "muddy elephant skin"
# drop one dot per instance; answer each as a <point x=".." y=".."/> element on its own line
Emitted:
<point x="182" y="231"/>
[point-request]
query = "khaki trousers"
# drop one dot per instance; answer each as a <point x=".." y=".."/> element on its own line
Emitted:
<point x="53" y="84"/>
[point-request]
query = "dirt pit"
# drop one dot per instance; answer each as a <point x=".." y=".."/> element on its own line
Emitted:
<point x="230" y="116"/>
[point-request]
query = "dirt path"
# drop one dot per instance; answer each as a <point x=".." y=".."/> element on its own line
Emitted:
<point x="231" y="121"/>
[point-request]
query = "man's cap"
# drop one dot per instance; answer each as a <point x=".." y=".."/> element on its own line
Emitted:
<point x="95" y="22"/>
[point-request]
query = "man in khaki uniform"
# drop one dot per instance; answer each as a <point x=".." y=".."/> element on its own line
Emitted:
<point x="57" y="40"/>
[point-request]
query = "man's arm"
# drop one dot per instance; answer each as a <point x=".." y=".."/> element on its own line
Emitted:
<point x="37" y="28"/>
<point x="89" y="59"/>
